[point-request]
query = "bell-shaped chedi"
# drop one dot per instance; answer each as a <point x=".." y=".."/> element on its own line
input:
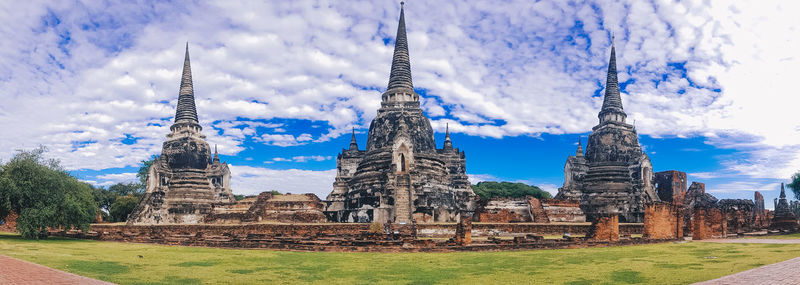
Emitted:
<point x="614" y="176"/>
<point x="185" y="181"/>
<point x="401" y="177"/>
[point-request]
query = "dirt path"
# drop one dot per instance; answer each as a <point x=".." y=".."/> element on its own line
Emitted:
<point x="15" y="271"/>
<point x="752" y="240"/>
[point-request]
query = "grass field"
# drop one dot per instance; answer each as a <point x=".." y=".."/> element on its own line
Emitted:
<point x="666" y="263"/>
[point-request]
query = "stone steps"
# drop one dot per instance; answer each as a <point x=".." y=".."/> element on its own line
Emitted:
<point x="402" y="207"/>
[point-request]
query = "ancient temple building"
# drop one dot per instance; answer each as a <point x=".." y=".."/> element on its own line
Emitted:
<point x="185" y="181"/>
<point x="783" y="217"/>
<point x="614" y="176"/>
<point x="401" y="177"/>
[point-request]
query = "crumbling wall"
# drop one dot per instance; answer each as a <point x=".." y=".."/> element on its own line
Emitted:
<point x="9" y="224"/>
<point x="464" y="231"/>
<point x="662" y="221"/>
<point x="566" y="211"/>
<point x="760" y="220"/>
<point x="504" y="210"/>
<point x="708" y="223"/>
<point x="605" y="228"/>
<point x="670" y="186"/>
<point x="286" y="208"/>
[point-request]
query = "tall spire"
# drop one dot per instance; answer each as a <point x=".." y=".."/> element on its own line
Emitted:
<point x="448" y="144"/>
<point x="579" y="151"/>
<point x="216" y="155"/>
<point x="400" y="77"/>
<point x="353" y="144"/>
<point x="783" y="193"/>
<point x="186" y="110"/>
<point x="612" y="102"/>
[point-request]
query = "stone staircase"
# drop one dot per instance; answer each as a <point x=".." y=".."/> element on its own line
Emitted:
<point x="402" y="200"/>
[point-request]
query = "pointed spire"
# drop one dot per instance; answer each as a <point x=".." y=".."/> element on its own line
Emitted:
<point x="353" y="144"/>
<point x="612" y="102"/>
<point x="400" y="76"/>
<point x="186" y="110"/>
<point x="216" y="155"/>
<point x="448" y="144"/>
<point x="783" y="193"/>
<point x="579" y="151"/>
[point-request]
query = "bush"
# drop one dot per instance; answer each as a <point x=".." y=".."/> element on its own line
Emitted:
<point x="44" y="195"/>
<point x="489" y="189"/>
<point x="122" y="207"/>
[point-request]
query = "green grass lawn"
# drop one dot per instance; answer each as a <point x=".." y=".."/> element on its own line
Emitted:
<point x="665" y="263"/>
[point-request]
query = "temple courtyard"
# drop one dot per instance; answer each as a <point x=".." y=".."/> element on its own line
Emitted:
<point x="662" y="263"/>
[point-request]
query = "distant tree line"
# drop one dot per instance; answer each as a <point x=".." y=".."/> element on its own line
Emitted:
<point x="490" y="189"/>
<point x="44" y="195"/>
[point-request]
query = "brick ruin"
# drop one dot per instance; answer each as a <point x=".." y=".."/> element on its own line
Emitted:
<point x="662" y="221"/>
<point x="760" y="219"/>
<point x="614" y="176"/>
<point x="401" y="177"/>
<point x="528" y="209"/>
<point x="266" y="207"/>
<point x="9" y="223"/>
<point x="783" y="218"/>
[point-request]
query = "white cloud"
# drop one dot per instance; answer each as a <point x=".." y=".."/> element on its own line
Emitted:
<point x="106" y="72"/>
<point x="250" y="180"/>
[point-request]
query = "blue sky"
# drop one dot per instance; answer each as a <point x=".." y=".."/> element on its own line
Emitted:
<point x="280" y="84"/>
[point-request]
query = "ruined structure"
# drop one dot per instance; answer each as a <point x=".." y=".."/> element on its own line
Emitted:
<point x="784" y="218"/>
<point x="267" y="207"/>
<point x="528" y="209"/>
<point x="614" y="176"/>
<point x="671" y="186"/>
<point x="185" y="181"/>
<point x="739" y="214"/>
<point x="760" y="220"/>
<point x="401" y="177"/>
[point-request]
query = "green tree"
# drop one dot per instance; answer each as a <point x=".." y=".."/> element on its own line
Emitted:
<point x="795" y="185"/>
<point x="125" y="189"/>
<point x="103" y="197"/>
<point x="144" y="169"/>
<point x="43" y="195"/>
<point x="122" y="207"/>
<point x="491" y="189"/>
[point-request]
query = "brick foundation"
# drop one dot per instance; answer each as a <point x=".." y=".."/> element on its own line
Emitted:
<point x="605" y="228"/>
<point x="708" y="223"/>
<point x="9" y="223"/>
<point x="662" y="221"/>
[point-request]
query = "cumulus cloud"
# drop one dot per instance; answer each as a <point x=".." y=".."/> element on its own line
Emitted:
<point x="97" y="82"/>
<point x="248" y="180"/>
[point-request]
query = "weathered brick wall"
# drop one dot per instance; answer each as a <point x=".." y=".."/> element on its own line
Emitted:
<point x="9" y="223"/>
<point x="708" y="223"/>
<point x="661" y="221"/>
<point x="605" y="228"/>
<point x="568" y="211"/>
<point x="504" y="210"/>
<point x="464" y="231"/>
<point x="670" y="185"/>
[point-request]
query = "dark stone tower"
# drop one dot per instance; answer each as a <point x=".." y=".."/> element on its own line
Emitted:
<point x="186" y="180"/>
<point x="614" y="176"/>
<point x="401" y="177"/>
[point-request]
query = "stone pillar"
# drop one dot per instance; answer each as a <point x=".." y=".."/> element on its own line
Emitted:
<point x="464" y="231"/>
<point x="605" y="228"/>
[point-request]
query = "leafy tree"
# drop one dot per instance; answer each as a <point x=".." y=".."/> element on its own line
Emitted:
<point x="125" y="189"/>
<point x="122" y="207"/>
<point x="795" y="185"/>
<point x="103" y="197"/>
<point x="144" y="169"/>
<point x="491" y="189"/>
<point x="44" y="195"/>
